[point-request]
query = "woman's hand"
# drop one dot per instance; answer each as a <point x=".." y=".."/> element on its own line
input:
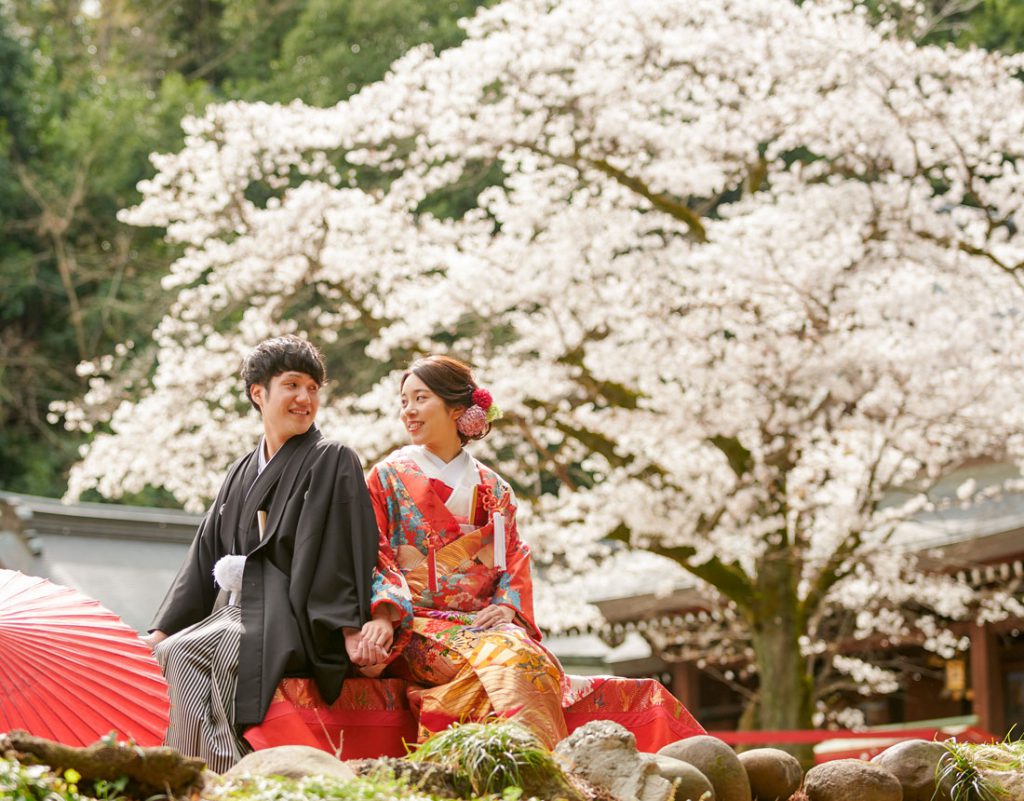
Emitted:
<point x="493" y="615"/>
<point x="361" y="652"/>
<point x="379" y="632"/>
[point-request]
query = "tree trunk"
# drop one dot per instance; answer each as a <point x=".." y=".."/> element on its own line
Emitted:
<point x="785" y="698"/>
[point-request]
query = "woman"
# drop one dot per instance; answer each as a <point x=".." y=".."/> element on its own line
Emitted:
<point x="453" y="577"/>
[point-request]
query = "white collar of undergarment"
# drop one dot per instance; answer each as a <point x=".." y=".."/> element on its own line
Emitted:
<point x="460" y="474"/>
<point x="261" y="460"/>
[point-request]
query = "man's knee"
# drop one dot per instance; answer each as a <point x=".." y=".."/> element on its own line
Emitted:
<point x="178" y="648"/>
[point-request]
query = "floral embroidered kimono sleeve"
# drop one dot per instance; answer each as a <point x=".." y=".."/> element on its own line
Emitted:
<point x="389" y="586"/>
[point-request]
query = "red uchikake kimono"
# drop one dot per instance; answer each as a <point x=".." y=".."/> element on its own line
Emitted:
<point x="448" y="548"/>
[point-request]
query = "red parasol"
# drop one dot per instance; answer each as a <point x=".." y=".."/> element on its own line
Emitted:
<point x="73" y="671"/>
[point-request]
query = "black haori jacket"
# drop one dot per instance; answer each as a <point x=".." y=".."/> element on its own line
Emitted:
<point x="309" y="577"/>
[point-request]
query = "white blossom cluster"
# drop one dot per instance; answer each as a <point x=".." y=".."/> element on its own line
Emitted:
<point x="740" y="269"/>
<point x="868" y="678"/>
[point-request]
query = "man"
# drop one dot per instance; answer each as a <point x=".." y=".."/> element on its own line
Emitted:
<point x="292" y="540"/>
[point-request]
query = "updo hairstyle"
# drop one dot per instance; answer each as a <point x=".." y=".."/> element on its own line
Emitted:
<point x="451" y="380"/>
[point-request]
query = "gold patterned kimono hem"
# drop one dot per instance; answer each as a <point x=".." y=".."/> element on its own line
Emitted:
<point x="473" y="675"/>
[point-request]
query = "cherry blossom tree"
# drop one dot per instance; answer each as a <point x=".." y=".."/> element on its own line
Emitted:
<point x="746" y="277"/>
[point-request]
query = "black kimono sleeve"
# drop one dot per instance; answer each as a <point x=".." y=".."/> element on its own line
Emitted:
<point x="192" y="593"/>
<point x="333" y="565"/>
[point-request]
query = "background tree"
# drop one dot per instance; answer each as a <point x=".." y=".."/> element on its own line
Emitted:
<point x="991" y="24"/>
<point x="738" y="274"/>
<point x="88" y="92"/>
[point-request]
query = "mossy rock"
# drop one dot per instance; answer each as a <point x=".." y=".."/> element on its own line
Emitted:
<point x="1008" y="782"/>
<point x="490" y="757"/>
<point x="428" y="777"/>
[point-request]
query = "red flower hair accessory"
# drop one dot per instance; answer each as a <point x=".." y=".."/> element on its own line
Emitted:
<point x="482" y="398"/>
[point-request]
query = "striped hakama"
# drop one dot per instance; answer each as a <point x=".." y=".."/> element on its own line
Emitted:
<point x="201" y="667"/>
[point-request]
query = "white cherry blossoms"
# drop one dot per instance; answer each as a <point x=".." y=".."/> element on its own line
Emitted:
<point x="738" y="270"/>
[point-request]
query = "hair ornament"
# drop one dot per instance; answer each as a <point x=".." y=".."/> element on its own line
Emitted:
<point x="474" y="420"/>
<point x="484" y="399"/>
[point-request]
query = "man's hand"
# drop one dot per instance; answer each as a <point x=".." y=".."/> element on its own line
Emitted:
<point x="153" y="639"/>
<point x="361" y="652"/>
<point x="494" y="615"/>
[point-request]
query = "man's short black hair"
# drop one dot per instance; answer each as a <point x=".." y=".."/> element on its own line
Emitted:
<point x="281" y="355"/>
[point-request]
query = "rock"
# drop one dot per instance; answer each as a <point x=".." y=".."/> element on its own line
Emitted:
<point x="715" y="760"/>
<point x="851" y="780"/>
<point x="1011" y="782"/>
<point x="774" y="774"/>
<point x="913" y="763"/>
<point x="292" y="762"/>
<point x="210" y="779"/>
<point x="604" y="754"/>
<point x="690" y="783"/>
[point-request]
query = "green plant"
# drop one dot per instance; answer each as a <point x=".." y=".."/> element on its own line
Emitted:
<point x="35" y="783"/>
<point x="110" y="790"/>
<point x="320" y="788"/>
<point x="966" y="768"/>
<point x="495" y="757"/>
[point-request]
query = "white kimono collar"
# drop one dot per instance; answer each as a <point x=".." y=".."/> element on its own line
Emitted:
<point x="460" y="474"/>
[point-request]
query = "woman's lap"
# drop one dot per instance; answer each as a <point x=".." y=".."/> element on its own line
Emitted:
<point x="468" y="674"/>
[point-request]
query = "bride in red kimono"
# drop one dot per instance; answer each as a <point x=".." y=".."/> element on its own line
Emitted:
<point x="453" y="599"/>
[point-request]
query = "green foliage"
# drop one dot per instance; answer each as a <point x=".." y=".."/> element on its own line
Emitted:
<point x="338" y="46"/>
<point x="84" y="101"/>
<point x="995" y="25"/>
<point x="493" y="757"/>
<point x="104" y="790"/>
<point x="78" y="128"/>
<point x="38" y="783"/>
<point x="991" y="24"/>
<point x="319" y="788"/>
<point x="35" y="783"/>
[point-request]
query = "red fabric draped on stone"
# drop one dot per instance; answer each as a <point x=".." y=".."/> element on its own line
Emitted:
<point x="372" y="717"/>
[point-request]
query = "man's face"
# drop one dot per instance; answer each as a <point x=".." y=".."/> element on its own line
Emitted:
<point x="289" y="405"/>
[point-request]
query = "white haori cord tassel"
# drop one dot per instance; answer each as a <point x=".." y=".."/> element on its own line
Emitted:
<point x="499" y="541"/>
<point x="228" y="575"/>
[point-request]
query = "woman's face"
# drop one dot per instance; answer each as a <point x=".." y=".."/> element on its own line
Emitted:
<point x="426" y="417"/>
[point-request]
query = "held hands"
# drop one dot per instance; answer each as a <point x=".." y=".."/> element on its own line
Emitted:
<point x="370" y="644"/>
<point x="360" y="652"/>
<point x="380" y="633"/>
<point x="494" y="615"/>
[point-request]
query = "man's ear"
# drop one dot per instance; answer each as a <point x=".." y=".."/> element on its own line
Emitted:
<point x="259" y="395"/>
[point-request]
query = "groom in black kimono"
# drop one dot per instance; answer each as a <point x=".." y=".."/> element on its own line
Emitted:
<point x="293" y="538"/>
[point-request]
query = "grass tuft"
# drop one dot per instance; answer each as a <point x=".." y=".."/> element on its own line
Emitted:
<point x="493" y="757"/>
<point x="965" y="769"/>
